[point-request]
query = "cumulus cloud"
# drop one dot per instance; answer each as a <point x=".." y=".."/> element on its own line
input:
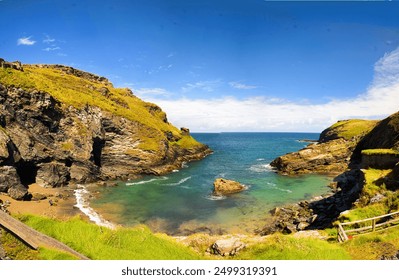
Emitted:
<point x="238" y="85"/>
<point x="262" y="114"/>
<point x="26" y="41"/>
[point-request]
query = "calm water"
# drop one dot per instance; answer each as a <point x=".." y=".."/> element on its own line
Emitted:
<point x="182" y="202"/>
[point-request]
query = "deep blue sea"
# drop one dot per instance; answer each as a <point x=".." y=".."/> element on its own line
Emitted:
<point x="182" y="202"/>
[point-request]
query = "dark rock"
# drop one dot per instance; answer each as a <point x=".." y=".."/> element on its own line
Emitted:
<point x="185" y="131"/>
<point x="9" y="178"/>
<point x="53" y="175"/>
<point x="18" y="192"/>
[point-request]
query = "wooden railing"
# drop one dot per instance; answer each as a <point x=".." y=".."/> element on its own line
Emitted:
<point x="349" y="229"/>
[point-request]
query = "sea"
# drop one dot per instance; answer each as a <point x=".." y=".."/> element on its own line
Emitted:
<point x="182" y="202"/>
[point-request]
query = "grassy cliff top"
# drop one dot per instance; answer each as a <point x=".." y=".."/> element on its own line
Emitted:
<point x="77" y="88"/>
<point x="347" y="129"/>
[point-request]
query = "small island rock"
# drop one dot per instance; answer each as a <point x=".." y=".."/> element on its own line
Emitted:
<point x="224" y="186"/>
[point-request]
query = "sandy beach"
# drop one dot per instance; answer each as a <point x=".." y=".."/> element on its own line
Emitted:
<point x="50" y="202"/>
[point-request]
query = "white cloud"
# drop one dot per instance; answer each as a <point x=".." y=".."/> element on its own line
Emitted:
<point x="208" y="86"/>
<point x="144" y="92"/>
<point x="262" y="114"/>
<point x="48" y="40"/>
<point x="238" y="85"/>
<point x="49" y="49"/>
<point x="26" y="41"/>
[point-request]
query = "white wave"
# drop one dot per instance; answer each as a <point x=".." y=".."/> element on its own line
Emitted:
<point x="260" y="159"/>
<point x="175" y="170"/>
<point x="215" y="197"/>
<point x="180" y="182"/>
<point x="280" y="189"/>
<point x="184" y="164"/>
<point x="260" y="168"/>
<point x="82" y="203"/>
<point x="145" y="181"/>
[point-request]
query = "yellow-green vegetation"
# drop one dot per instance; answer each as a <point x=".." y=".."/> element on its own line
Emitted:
<point x="17" y="250"/>
<point x="140" y="243"/>
<point x="187" y="142"/>
<point x="285" y="247"/>
<point x="79" y="92"/>
<point x="348" y="129"/>
<point x="105" y="244"/>
<point x="373" y="245"/>
<point x="67" y="146"/>
<point x="364" y="209"/>
<point x="380" y="152"/>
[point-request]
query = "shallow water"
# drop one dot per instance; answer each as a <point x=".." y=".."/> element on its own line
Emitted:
<point x="182" y="202"/>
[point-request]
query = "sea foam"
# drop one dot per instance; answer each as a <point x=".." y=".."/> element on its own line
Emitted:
<point x="82" y="203"/>
<point x="180" y="182"/>
<point x="260" y="168"/>
<point x="145" y="181"/>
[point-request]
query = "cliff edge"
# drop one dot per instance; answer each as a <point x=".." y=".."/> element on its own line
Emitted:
<point x="60" y="125"/>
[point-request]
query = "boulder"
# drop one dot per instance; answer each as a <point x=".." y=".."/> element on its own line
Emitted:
<point x="227" y="247"/>
<point x="18" y="192"/>
<point x="52" y="175"/>
<point x="8" y="178"/>
<point x="224" y="186"/>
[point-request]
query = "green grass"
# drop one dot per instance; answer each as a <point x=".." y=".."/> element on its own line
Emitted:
<point x="363" y="209"/>
<point x="380" y="152"/>
<point x="282" y="247"/>
<point x="101" y="243"/>
<point x="348" y="129"/>
<point x="373" y="245"/>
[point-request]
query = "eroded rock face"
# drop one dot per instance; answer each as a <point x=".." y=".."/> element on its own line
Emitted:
<point x="224" y="186"/>
<point x="44" y="141"/>
<point x="330" y="157"/>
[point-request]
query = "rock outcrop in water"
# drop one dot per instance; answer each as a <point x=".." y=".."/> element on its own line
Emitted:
<point x="60" y="125"/>
<point x="331" y="155"/>
<point x="224" y="186"/>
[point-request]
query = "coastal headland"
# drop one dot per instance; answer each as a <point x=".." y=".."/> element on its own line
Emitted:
<point x="61" y="127"/>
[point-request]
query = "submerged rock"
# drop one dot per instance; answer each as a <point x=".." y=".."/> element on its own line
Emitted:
<point x="224" y="186"/>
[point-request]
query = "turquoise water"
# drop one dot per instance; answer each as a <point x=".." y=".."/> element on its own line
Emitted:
<point x="182" y="202"/>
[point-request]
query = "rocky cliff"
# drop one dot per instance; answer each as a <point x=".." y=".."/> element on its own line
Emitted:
<point x="331" y="154"/>
<point x="60" y="125"/>
<point x="343" y="149"/>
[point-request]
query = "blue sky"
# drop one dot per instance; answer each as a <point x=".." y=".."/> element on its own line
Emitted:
<point x="223" y="65"/>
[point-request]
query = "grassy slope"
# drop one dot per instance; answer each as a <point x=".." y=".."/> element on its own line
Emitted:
<point x="140" y="244"/>
<point x="285" y="247"/>
<point x="350" y="128"/>
<point x="78" y="92"/>
<point x="104" y="244"/>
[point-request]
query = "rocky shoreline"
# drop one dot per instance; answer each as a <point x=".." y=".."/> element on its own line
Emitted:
<point x="54" y="142"/>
